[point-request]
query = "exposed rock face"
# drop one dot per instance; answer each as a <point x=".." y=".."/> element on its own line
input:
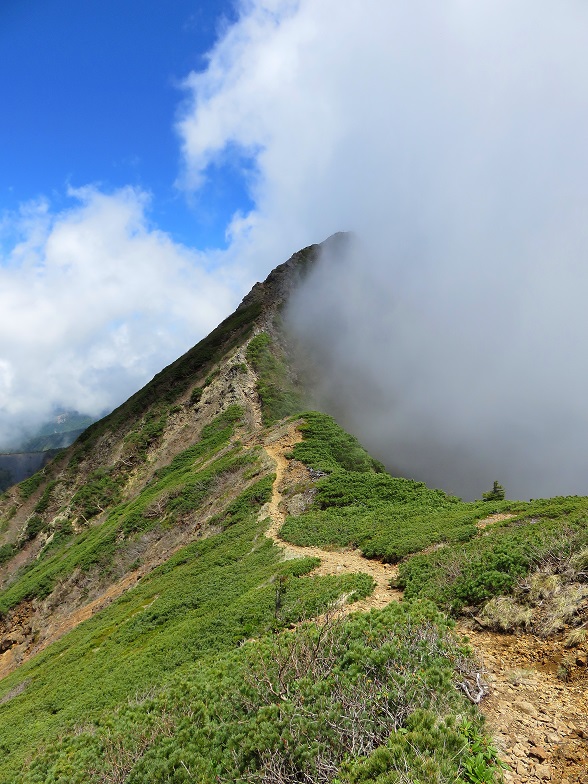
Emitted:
<point x="538" y="720"/>
<point x="275" y="289"/>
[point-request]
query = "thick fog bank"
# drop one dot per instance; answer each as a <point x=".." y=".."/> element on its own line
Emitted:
<point x="454" y="374"/>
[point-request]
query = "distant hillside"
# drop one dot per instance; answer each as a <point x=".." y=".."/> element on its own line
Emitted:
<point x="17" y="466"/>
<point x="29" y="456"/>
<point x="58" y="432"/>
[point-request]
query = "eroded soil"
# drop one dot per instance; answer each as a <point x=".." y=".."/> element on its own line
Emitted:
<point x="537" y="708"/>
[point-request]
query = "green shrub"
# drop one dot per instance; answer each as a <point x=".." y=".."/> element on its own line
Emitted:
<point x="327" y="447"/>
<point x="95" y="547"/>
<point x="45" y="499"/>
<point x="195" y="395"/>
<point x="28" y="486"/>
<point x="101" y="491"/>
<point x="148" y="434"/>
<point x="351" y="701"/>
<point x="493" y="563"/>
<point x="212" y="437"/>
<point x="34" y="526"/>
<point x="278" y="396"/>
<point x="6" y="552"/>
<point x="496" y="494"/>
<point x="357" y="504"/>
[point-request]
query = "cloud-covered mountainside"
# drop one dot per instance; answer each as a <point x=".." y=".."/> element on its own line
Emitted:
<point x="450" y="138"/>
<point x="454" y="382"/>
<point x="156" y="576"/>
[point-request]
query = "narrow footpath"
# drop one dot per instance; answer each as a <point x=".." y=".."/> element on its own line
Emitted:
<point x="539" y="722"/>
<point x="290" y="472"/>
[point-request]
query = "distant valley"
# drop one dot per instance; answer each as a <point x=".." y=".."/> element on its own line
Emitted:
<point x="25" y="458"/>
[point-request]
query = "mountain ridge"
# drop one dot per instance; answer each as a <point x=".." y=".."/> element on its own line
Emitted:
<point x="186" y="540"/>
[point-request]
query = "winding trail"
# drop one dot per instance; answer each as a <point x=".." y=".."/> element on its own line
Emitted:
<point x="538" y="722"/>
<point x="336" y="562"/>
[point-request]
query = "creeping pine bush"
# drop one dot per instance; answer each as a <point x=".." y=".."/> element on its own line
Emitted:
<point x="494" y="563"/>
<point x="358" y="504"/>
<point x="100" y="491"/>
<point x="147" y="434"/>
<point x="44" y="501"/>
<point x="370" y="698"/>
<point x="180" y="620"/>
<point x="327" y="447"/>
<point x="6" y="552"/>
<point x="28" y="486"/>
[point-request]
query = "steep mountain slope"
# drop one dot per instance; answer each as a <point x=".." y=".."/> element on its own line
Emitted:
<point x="152" y="613"/>
<point x="105" y="507"/>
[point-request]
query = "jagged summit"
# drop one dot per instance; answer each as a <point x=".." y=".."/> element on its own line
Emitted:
<point x="278" y="285"/>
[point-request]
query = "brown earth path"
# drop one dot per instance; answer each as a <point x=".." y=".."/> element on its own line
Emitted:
<point x="339" y="562"/>
<point x="539" y="722"/>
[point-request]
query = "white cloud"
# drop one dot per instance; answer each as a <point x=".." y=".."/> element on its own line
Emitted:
<point x="93" y="302"/>
<point x="451" y="136"/>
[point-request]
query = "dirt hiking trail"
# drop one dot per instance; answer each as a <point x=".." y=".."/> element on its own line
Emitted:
<point x="539" y="723"/>
<point x="288" y="474"/>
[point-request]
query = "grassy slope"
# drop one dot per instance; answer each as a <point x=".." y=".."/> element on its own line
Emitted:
<point x="392" y="518"/>
<point x="207" y="598"/>
<point x="181" y="484"/>
<point x="142" y="416"/>
<point x="292" y="708"/>
<point x="278" y="395"/>
<point x="179" y="628"/>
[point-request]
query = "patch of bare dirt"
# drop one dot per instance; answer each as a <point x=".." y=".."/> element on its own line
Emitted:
<point x="25" y="639"/>
<point x="537" y="709"/>
<point x="290" y="473"/>
<point x="494" y="518"/>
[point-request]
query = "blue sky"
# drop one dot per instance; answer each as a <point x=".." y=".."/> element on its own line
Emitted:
<point x="89" y="94"/>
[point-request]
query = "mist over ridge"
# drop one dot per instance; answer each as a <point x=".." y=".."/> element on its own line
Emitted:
<point x="455" y="390"/>
<point x="450" y="138"/>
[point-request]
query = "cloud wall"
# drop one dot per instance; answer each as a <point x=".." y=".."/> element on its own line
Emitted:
<point x="450" y="137"/>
